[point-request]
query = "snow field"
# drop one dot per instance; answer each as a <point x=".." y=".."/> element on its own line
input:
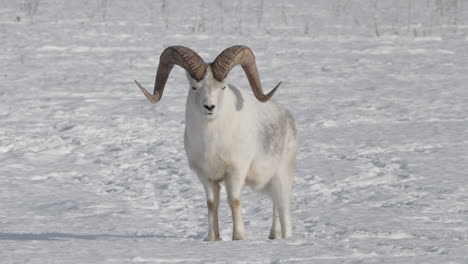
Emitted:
<point x="90" y="172"/>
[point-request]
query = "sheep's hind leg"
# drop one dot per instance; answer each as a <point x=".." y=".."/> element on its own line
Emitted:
<point x="212" y="199"/>
<point x="275" y="231"/>
<point x="284" y="210"/>
<point x="281" y="188"/>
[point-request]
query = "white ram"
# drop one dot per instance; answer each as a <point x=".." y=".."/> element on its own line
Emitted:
<point x="233" y="137"/>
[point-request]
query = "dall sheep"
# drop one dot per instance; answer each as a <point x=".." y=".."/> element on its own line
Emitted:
<point x="232" y="137"/>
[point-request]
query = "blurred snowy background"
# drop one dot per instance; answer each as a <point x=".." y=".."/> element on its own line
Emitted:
<point x="91" y="172"/>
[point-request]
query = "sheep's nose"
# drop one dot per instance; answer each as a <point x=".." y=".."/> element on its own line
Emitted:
<point x="209" y="107"/>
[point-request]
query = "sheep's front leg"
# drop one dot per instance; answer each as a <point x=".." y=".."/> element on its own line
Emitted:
<point x="212" y="201"/>
<point x="233" y="188"/>
<point x="275" y="231"/>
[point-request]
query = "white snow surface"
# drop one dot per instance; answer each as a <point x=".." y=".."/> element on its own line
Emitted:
<point x="91" y="172"/>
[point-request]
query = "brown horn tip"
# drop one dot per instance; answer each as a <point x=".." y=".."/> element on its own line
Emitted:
<point x="153" y="98"/>
<point x="265" y="98"/>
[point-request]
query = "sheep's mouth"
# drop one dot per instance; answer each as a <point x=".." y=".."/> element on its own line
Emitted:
<point x="209" y="115"/>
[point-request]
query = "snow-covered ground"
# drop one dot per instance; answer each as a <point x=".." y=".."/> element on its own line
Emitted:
<point x="91" y="172"/>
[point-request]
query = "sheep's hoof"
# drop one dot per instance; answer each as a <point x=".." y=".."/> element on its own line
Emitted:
<point x="212" y="238"/>
<point x="238" y="237"/>
<point x="274" y="235"/>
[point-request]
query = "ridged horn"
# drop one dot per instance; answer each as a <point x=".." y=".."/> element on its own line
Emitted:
<point x="175" y="55"/>
<point x="244" y="56"/>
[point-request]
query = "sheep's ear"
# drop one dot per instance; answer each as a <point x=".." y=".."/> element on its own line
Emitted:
<point x="189" y="78"/>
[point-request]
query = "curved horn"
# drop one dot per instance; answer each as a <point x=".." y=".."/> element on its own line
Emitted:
<point x="175" y="55"/>
<point x="244" y="56"/>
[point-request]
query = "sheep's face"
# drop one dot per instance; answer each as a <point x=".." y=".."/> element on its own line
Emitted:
<point x="207" y="95"/>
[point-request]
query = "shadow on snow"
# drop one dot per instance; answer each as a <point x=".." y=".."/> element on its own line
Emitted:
<point x="65" y="236"/>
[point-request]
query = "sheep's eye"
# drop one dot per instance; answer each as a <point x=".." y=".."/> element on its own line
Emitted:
<point x="193" y="88"/>
<point x="224" y="88"/>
